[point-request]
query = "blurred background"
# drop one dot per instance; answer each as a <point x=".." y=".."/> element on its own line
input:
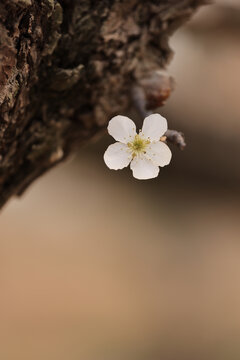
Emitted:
<point x="96" y="265"/>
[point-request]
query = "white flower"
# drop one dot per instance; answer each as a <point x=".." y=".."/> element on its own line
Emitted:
<point x="144" y="151"/>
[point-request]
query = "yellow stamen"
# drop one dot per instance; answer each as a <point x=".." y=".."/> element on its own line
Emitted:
<point x="138" y="145"/>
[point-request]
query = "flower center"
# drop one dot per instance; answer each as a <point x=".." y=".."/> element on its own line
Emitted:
<point x="138" y="145"/>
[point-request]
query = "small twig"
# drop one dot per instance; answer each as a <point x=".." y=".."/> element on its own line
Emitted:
<point x="173" y="136"/>
<point x="176" y="138"/>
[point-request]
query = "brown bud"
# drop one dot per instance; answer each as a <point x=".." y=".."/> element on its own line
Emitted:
<point x="157" y="88"/>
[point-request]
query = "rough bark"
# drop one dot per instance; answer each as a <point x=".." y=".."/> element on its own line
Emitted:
<point x="66" y="67"/>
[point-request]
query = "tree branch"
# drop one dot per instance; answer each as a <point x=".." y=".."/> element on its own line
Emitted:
<point x="67" y="67"/>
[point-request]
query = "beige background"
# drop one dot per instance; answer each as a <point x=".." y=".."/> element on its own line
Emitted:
<point x="96" y="265"/>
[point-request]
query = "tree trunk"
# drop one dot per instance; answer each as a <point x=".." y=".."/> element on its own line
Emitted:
<point x="67" y="67"/>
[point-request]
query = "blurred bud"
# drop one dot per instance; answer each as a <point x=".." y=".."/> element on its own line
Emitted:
<point x="157" y="87"/>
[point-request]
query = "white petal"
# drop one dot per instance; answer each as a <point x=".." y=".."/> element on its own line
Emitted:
<point x="143" y="168"/>
<point x="159" y="153"/>
<point x="154" y="126"/>
<point x="117" y="156"/>
<point x="122" y="129"/>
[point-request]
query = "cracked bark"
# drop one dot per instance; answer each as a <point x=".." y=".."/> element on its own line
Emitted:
<point x="67" y="67"/>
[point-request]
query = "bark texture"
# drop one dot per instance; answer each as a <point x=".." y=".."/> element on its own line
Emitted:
<point x="67" y="67"/>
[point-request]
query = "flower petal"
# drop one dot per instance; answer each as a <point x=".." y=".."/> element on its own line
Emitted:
<point x="122" y="129"/>
<point x="143" y="168"/>
<point x="159" y="153"/>
<point x="117" y="156"/>
<point x="154" y="126"/>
